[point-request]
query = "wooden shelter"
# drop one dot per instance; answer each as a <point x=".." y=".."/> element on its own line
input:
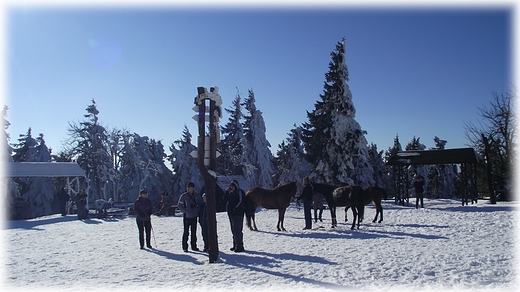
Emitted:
<point x="467" y="158"/>
<point x="71" y="170"/>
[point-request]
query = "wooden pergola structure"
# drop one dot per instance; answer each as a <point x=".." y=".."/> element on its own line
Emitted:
<point x="70" y="170"/>
<point x="467" y="158"/>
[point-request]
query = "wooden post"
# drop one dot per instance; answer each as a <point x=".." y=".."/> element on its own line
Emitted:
<point x="209" y="180"/>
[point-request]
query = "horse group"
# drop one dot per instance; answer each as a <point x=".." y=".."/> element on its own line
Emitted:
<point x="348" y="196"/>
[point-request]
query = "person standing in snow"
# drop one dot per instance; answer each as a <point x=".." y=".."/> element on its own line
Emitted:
<point x="317" y="204"/>
<point x="235" y="207"/>
<point x="306" y="197"/>
<point x="418" y="184"/>
<point x="203" y="221"/>
<point x="143" y="210"/>
<point x="63" y="198"/>
<point x="80" y="200"/>
<point x="189" y="204"/>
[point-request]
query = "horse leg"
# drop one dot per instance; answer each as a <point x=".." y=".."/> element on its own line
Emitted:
<point x="381" y="212"/>
<point x="254" y="222"/>
<point x="333" y="216"/>
<point x="377" y="212"/>
<point x="355" y="213"/>
<point x="281" y="214"/>
<point x="346" y="209"/>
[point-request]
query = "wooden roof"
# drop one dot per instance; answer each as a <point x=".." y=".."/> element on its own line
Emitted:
<point x="42" y="169"/>
<point x="444" y="156"/>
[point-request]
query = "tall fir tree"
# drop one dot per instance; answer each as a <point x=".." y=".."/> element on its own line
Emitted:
<point x="185" y="167"/>
<point x="88" y="141"/>
<point x="421" y="170"/>
<point x="336" y="146"/>
<point x="36" y="193"/>
<point x="231" y="146"/>
<point x="290" y="159"/>
<point x="10" y="197"/>
<point x="258" y="155"/>
<point x="143" y="167"/>
<point x="7" y="150"/>
<point x="442" y="178"/>
<point x="381" y="172"/>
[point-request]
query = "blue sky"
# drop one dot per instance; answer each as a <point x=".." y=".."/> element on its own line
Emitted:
<point x="413" y="72"/>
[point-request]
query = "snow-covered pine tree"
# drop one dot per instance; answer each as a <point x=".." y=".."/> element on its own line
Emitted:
<point x="163" y="179"/>
<point x="142" y="167"/>
<point x="393" y="169"/>
<point x="88" y="141"/>
<point x="442" y="178"/>
<point x="422" y="170"/>
<point x="130" y="175"/>
<point x="9" y="194"/>
<point x="257" y="150"/>
<point x="334" y="142"/>
<point x="7" y="150"/>
<point x="231" y="146"/>
<point x="37" y="193"/>
<point x="290" y="161"/>
<point x="185" y="167"/>
<point x="382" y="176"/>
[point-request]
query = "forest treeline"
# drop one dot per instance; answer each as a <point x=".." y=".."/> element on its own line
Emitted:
<point x="330" y="147"/>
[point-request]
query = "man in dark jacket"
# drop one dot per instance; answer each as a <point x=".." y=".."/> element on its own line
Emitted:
<point x="306" y="198"/>
<point x="80" y="200"/>
<point x="235" y="201"/>
<point x="143" y="210"/>
<point x="189" y="204"/>
<point x="63" y="198"/>
<point x="419" y="190"/>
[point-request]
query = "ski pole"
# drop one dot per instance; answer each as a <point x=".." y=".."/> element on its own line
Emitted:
<point x="153" y="235"/>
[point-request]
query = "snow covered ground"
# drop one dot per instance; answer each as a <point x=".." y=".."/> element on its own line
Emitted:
<point x="444" y="246"/>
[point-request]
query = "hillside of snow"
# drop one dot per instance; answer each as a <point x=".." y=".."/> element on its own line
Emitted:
<point x="444" y="246"/>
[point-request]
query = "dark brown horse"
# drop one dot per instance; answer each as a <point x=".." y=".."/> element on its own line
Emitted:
<point x="327" y="190"/>
<point x="372" y="194"/>
<point x="278" y="198"/>
<point x="350" y="197"/>
<point x="375" y="194"/>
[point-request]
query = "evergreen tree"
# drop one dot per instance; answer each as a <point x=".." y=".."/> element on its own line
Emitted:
<point x="36" y="193"/>
<point x="415" y="144"/>
<point x="381" y="170"/>
<point x="143" y="167"/>
<point x="89" y="147"/>
<point x="442" y="178"/>
<point x="290" y="159"/>
<point x="231" y="146"/>
<point x="393" y="169"/>
<point x="162" y="179"/>
<point x="334" y="142"/>
<point x="422" y="170"/>
<point x="129" y="172"/>
<point x="185" y="167"/>
<point x="258" y="155"/>
<point x="9" y="192"/>
<point x="4" y="140"/>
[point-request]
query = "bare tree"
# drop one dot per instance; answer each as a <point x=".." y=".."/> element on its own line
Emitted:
<point x="498" y="125"/>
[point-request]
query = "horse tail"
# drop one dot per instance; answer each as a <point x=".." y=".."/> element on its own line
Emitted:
<point x="249" y="208"/>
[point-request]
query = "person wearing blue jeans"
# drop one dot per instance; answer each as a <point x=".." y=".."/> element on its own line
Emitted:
<point x="306" y="197"/>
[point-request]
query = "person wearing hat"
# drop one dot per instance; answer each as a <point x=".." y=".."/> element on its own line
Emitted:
<point x="189" y="204"/>
<point x="235" y="204"/>
<point x="143" y="211"/>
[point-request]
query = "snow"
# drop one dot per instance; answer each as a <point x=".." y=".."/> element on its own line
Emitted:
<point x="444" y="246"/>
